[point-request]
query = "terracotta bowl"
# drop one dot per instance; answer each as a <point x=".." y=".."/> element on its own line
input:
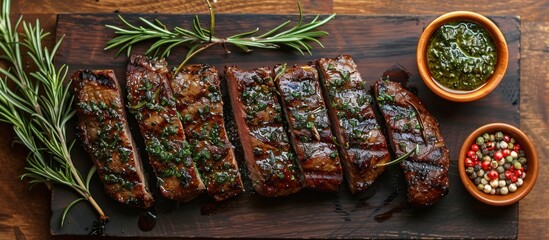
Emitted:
<point x="459" y="95"/>
<point x="531" y="171"/>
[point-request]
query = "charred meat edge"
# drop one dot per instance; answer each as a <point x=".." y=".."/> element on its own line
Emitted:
<point x="410" y="124"/>
<point x="257" y="113"/>
<point x="309" y="127"/>
<point x="104" y="131"/>
<point x="152" y="103"/>
<point x="350" y="106"/>
<point x="198" y="98"/>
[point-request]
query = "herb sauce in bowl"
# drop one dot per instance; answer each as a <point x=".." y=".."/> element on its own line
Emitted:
<point x="461" y="55"/>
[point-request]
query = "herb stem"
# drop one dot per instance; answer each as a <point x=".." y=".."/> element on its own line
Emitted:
<point x="198" y="38"/>
<point x="400" y="159"/>
<point x="38" y="106"/>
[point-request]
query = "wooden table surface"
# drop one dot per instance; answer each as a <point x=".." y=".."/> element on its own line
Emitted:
<point x="25" y="214"/>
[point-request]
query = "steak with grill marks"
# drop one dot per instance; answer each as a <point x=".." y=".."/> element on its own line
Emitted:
<point x="152" y="103"/>
<point x="198" y="98"/>
<point x="104" y="131"/>
<point x="410" y="124"/>
<point x="310" y="132"/>
<point x="258" y="117"/>
<point x="350" y="106"/>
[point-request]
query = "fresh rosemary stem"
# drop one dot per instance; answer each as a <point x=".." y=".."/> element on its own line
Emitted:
<point x="38" y="105"/>
<point x="199" y="39"/>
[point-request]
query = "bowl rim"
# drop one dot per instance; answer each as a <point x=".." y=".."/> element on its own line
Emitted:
<point x="499" y="200"/>
<point x="491" y="83"/>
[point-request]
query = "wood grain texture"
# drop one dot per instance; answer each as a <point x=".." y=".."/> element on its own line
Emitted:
<point x="182" y="6"/>
<point x="534" y="113"/>
<point x="380" y="212"/>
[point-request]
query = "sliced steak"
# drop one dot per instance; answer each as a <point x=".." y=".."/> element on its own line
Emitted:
<point x="410" y="124"/>
<point x="198" y="98"/>
<point x="350" y="107"/>
<point x="105" y="134"/>
<point x="310" y="131"/>
<point x="258" y="118"/>
<point x="153" y="105"/>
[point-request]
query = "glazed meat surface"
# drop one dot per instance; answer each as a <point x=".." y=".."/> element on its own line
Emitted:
<point x="410" y="124"/>
<point x="152" y="103"/>
<point x="198" y="98"/>
<point x="309" y="127"/>
<point x="361" y="142"/>
<point x="104" y="132"/>
<point x="258" y="118"/>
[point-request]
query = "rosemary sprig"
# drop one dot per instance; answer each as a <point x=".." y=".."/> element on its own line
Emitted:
<point x="38" y="106"/>
<point x="199" y="39"/>
<point x="401" y="158"/>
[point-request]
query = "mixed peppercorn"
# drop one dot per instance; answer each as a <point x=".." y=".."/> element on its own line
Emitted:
<point x="496" y="163"/>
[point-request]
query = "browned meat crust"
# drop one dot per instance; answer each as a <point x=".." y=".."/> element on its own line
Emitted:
<point x="153" y="105"/>
<point x="258" y="118"/>
<point x="410" y="124"/>
<point x="361" y="143"/>
<point x="309" y="127"/>
<point x="198" y="98"/>
<point x="105" y="134"/>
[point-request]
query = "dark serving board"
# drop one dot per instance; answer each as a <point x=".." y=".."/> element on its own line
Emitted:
<point x="376" y="43"/>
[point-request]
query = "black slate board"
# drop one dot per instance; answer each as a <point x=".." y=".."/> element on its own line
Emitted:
<point x="376" y="43"/>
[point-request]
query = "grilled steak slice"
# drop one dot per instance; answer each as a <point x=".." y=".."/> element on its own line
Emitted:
<point x="410" y="124"/>
<point x="153" y="105"/>
<point x="105" y="134"/>
<point x="257" y="113"/>
<point x="198" y="99"/>
<point x="350" y="107"/>
<point x="309" y="127"/>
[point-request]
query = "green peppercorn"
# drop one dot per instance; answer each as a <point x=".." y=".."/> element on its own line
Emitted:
<point x="486" y="136"/>
<point x="470" y="170"/>
<point x="509" y="159"/>
<point x="480" y="140"/>
<point x="500" y="169"/>
<point x="517" y="164"/>
<point x="499" y="136"/>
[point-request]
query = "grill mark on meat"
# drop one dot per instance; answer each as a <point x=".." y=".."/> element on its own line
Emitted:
<point x="198" y="98"/>
<point x="257" y="114"/>
<point x="361" y="143"/>
<point x="427" y="172"/>
<point x="104" y="132"/>
<point x="152" y="103"/>
<point x="310" y="132"/>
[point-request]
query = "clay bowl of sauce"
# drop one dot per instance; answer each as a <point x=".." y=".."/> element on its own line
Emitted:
<point x="462" y="56"/>
<point x="511" y="157"/>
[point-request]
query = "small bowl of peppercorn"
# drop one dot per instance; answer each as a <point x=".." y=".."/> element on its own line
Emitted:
<point x="498" y="164"/>
<point x="462" y="56"/>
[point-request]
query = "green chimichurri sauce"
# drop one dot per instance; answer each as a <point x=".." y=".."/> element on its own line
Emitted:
<point x="461" y="55"/>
